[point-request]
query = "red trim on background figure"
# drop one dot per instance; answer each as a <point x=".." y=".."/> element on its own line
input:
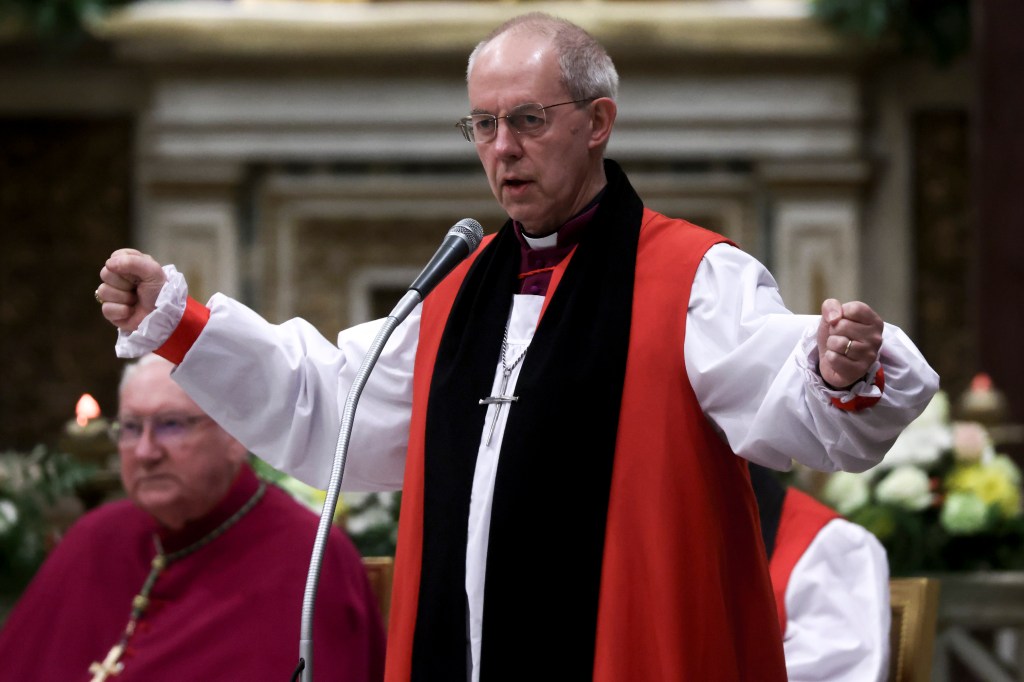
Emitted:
<point x="802" y="519"/>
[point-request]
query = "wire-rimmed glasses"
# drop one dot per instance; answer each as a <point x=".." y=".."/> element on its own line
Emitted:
<point x="167" y="429"/>
<point x="525" y="119"/>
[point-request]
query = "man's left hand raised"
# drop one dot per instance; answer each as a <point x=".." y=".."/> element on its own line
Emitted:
<point x="849" y="337"/>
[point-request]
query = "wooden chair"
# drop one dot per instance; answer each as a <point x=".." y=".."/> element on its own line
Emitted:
<point x="380" y="570"/>
<point x="915" y="606"/>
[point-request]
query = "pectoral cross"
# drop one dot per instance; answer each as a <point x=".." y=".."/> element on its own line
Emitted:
<point x="501" y="398"/>
<point x="110" y="667"/>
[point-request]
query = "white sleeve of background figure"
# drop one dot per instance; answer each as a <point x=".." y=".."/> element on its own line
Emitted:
<point x="837" y="608"/>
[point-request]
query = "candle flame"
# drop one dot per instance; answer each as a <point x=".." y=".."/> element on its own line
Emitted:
<point x="86" y="409"/>
<point x="981" y="383"/>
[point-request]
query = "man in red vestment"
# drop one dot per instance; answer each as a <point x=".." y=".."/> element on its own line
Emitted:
<point x="225" y="603"/>
<point x="574" y="393"/>
<point x="831" y="583"/>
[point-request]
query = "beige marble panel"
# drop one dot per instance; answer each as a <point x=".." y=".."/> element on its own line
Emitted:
<point x="200" y="238"/>
<point x="815" y="251"/>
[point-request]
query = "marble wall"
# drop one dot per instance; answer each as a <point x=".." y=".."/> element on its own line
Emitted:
<point x="305" y="159"/>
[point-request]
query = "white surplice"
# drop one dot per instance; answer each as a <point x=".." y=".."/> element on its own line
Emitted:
<point x="280" y="389"/>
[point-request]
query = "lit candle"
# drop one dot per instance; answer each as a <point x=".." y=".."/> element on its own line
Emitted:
<point x="983" y="402"/>
<point x="85" y="436"/>
<point x="87" y="439"/>
<point x="87" y="408"/>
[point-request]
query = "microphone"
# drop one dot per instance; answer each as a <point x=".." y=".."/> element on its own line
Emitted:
<point x="461" y="240"/>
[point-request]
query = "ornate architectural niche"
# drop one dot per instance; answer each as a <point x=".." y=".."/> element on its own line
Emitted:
<point x="816" y="246"/>
<point x="333" y="247"/>
<point x="339" y="122"/>
<point x="200" y="236"/>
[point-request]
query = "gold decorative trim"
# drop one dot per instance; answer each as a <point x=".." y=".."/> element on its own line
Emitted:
<point x="914" y="603"/>
<point x="259" y="27"/>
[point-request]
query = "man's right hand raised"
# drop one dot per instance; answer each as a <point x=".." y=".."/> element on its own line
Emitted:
<point x="132" y="281"/>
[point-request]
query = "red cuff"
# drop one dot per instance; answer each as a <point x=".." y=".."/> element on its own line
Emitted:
<point x="862" y="402"/>
<point x="185" y="334"/>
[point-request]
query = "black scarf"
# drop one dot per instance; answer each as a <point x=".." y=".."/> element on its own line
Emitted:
<point x="770" y="496"/>
<point x="554" y="473"/>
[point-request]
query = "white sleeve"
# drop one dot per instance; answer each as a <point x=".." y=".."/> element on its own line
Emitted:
<point x="280" y="390"/>
<point x="837" y="608"/>
<point x="753" y="367"/>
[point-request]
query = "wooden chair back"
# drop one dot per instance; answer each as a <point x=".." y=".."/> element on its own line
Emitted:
<point x="380" y="570"/>
<point x="915" y="606"/>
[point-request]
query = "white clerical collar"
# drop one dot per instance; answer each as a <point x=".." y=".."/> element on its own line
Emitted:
<point x="547" y="241"/>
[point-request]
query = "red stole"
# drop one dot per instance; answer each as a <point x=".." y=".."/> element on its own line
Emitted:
<point x="685" y="593"/>
<point x="801" y="520"/>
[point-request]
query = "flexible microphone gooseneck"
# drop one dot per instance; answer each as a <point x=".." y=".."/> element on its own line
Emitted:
<point x="460" y="241"/>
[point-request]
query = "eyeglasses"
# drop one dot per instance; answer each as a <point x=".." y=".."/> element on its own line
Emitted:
<point x="166" y="429"/>
<point x="525" y="119"/>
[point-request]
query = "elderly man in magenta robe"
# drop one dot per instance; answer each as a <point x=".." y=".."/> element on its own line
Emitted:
<point x="198" y="576"/>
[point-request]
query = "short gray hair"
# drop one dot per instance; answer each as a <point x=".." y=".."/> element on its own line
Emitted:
<point x="587" y="70"/>
<point x="133" y="367"/>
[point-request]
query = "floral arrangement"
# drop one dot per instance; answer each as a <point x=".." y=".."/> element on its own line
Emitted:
<point x="369" y="519"/>
<point x="942" y="499"/>
<point x="37" y="502"/>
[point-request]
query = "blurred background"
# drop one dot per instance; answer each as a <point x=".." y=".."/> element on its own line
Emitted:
<point x="302" y="156"/>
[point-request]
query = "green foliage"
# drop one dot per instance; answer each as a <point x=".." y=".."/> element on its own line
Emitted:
<point x="373" y="524"/>
<point x="57" y="21"/>
<point x="30" y="486"/>
<point x="265" y="471"/>
<point x="937" y="29"/>
<point x="369" y="519"/>
<point x="918" y="543"/>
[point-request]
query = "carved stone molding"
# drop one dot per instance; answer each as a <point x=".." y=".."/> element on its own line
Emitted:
<point x="815" y="251"/>
<point x="200" y="238"/>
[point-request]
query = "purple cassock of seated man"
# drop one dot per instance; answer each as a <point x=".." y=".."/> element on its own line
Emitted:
<point x="197" y="576"/>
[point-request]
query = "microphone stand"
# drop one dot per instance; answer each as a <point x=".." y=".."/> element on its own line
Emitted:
<point x="461" y="240"/>
<point x="405" y="306"/>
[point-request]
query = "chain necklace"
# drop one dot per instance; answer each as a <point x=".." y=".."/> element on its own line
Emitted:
<point x="506" y="372"/>
<point x="111" y="666"/>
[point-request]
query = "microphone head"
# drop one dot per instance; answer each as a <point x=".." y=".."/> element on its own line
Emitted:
<point x="469" y="230"/>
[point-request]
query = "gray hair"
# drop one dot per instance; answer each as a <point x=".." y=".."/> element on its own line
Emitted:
<point x="587" y="70"/>
<point x="132" y="368"/>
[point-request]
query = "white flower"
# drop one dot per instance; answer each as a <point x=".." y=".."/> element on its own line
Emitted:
<point x="963" y="513"/>
<point x="925" y="439"/>
<point x="937" y="411"/>
<point x="374" y="511"/>
<point x="846" y="492"/>
<point x="8" y="516"/>
<point x="907" y="487"/>
<point x="1007" y="467"/>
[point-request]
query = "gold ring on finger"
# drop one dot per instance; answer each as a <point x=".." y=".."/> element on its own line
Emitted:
<point x="846" y="351"/>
